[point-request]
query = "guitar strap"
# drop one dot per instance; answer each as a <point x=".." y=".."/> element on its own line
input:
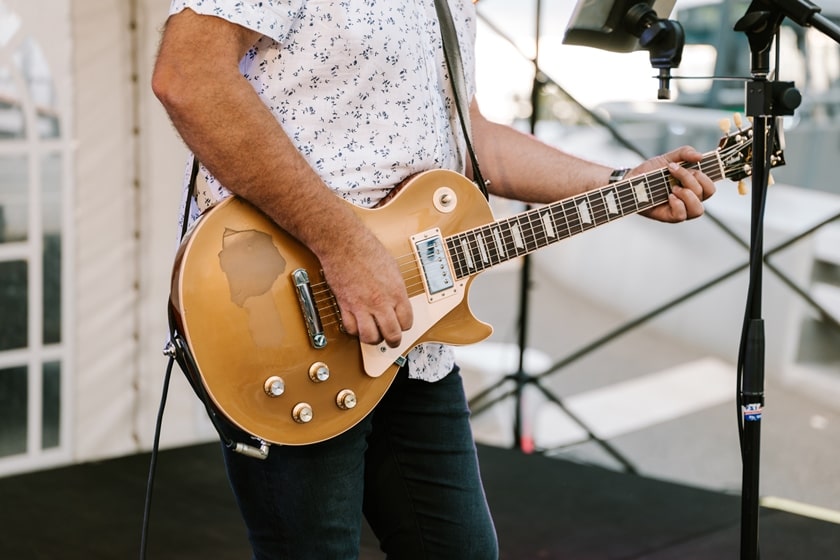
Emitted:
<point x="178" y="351"/>
<point x="452" y="55"/>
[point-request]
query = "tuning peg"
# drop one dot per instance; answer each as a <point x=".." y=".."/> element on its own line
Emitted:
<point x="742" y="187"/>
<point x="770" y="180"/>
<point x="738" y="120"/>
<point x="725" y="126"/>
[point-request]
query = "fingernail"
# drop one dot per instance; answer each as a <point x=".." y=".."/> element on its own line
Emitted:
<point x="673" y="166"/>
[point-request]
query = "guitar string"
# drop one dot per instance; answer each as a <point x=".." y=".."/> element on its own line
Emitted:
<point x="658" y="182"/>
<point x="656" y="187"/>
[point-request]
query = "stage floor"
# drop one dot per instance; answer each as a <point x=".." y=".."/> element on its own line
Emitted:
<point x="545" y="508"/>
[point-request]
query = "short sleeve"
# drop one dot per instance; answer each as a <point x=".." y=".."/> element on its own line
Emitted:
<point x="272" y="18"/>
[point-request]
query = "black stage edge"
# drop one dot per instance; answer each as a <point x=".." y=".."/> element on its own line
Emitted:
<point x="544" y="509"/>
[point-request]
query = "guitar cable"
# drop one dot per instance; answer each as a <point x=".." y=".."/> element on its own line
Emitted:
<point x="177" y="351"/>
<point x="147" y="506"/>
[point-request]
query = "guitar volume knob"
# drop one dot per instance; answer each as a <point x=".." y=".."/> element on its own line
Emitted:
<point x="319" y="372"/>
<point x="302" y="413"/>
<point x="346" y="399"/>
<point x="274" y="386"/>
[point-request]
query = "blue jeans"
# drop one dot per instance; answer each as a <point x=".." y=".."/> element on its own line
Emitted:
<point x="410" y="468"/>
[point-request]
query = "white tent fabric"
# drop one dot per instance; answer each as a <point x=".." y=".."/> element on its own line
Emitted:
<point x="128" y="168"/>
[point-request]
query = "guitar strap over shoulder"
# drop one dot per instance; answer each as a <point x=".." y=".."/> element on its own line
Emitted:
<point x="452" y="54"/>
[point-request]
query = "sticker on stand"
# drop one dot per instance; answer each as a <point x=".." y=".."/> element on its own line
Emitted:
<point x="752" y="412"/>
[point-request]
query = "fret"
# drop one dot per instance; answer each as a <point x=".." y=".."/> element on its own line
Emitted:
<point x="573" y="223"/>
<point x="713" y="166"/>
<point x="490" y="245"/>
<point x="471" y="249"/>
<point x="482" y="247"/>
<point x="523" y="221"/>
<point x="486" y="246"/>
<point x="661" y="186"/>
<point x="508" y="242"/>
<point x="627" y="198"/>
<point x="538" y="233"/>
<point x="558" y="218"/>
<point x="457" y="256"/>
<point x="597" y="209"/>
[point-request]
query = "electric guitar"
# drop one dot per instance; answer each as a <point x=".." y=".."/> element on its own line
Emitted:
<point x="263" y="330"/>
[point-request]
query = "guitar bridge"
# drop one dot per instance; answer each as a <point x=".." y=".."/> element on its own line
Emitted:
<point x="310" y="311"/>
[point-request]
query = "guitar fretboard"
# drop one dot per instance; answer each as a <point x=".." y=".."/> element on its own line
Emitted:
<point x="478" y="249"/>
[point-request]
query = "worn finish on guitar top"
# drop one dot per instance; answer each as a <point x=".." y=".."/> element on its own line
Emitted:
<point x="237" y="308"/>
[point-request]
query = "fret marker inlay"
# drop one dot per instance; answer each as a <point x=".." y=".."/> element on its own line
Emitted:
<point x="482" y="248"/>
<point x="548" y="224"/>
<point x="466" y="248"/>
<point x="517" y="237"/>
<point x="583" y="210"/>
<point x="499" y="245"/>
<point x="612" y="205"/>
<point x="641" y="192"/>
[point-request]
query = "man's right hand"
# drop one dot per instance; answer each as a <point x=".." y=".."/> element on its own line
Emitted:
<point x="369" y="289"/>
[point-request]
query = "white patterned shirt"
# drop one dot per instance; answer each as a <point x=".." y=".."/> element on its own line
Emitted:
<point x="361" y="89"/>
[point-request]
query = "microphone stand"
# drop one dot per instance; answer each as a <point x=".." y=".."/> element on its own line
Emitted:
<point x="765" y="102"/>
<point x="525" y="441"/>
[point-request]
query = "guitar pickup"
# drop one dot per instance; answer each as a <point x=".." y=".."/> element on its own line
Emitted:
<point x="437" y="274"/>
<point x="310" y="312"/>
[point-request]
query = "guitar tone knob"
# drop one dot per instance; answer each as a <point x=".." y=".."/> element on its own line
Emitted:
<point x="302" y="413"/>
<point x="319" y="372"/>
<point x="346" y="399"/>
<point x="274" y="386"/>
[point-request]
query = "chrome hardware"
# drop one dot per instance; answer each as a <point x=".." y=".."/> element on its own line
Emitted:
<point x="253" y="452"/>
<point x="346" y="399"/>
<point x="302" y="413"/>
<point x="274" y="386"/>
<point x="319" y="372"/>
<point x="170" y="350"/>
<point x="431" y="253"/>
<point x="310" y="311"/>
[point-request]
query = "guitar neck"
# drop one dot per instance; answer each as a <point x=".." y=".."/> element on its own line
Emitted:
<point x="478" y="249"/>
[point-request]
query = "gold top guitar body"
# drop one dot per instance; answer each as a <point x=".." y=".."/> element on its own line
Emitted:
<point x="247" y="295"/>
<point x="264" y="332"/>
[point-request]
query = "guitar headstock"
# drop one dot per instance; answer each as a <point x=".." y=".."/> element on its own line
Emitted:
<point x="736" y="151"/>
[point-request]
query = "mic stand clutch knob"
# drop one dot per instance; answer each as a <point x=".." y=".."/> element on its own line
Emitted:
<point x="663" y="38"/>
